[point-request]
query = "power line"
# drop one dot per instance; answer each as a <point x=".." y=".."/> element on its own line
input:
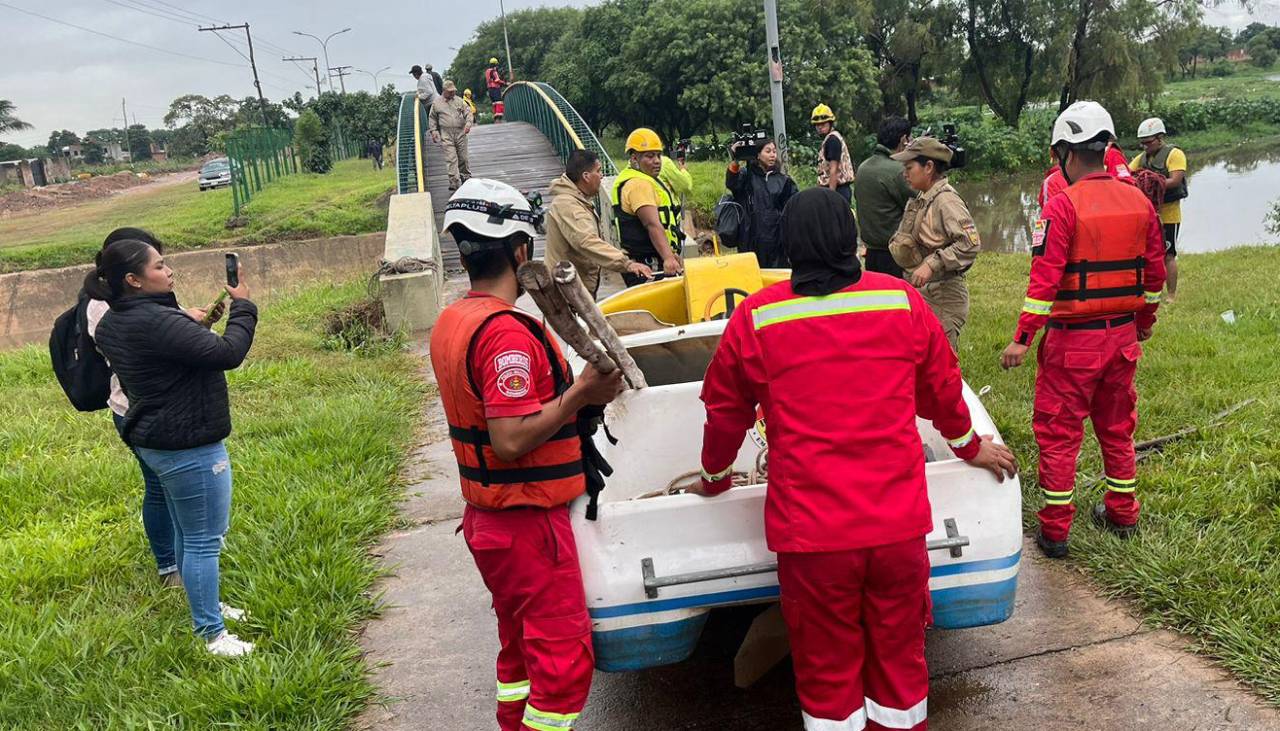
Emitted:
<point x="184" y="11"/>
<point x="118" y="38"/>
<point x="170" y="18"/>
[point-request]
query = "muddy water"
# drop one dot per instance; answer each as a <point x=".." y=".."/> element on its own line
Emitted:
<point x="1231" y="194"/>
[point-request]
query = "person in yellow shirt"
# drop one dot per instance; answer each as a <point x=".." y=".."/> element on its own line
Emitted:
<point x="646" y="212"/>
<point x="1170" y="163"/>
<point x="471" y="102"/>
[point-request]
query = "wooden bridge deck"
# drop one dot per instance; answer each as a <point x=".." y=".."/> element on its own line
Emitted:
<point x="513" y="152"/>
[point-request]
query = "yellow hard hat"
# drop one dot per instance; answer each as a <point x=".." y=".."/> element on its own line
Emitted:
<point x="466" y="92"/>
<point x="493" y="60"/>
<point x="822" y="113"/>
<point x="643" y="139"/>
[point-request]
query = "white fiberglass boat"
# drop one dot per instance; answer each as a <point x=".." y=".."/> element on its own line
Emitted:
<point x="654" y="564"/>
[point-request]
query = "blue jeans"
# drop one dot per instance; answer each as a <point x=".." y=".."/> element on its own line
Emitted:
<point x="155" y="514"/>
<point x="197" y="487"/>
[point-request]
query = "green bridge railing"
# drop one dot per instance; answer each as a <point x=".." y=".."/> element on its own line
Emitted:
<point x="411" y="161"/>
<point x="542" y="106"/>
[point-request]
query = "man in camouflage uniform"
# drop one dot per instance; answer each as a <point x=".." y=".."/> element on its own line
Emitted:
<point x="450" y="122"/>
<point x="936" y="242"/>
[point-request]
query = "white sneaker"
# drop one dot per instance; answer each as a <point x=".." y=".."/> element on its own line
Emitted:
<point x="231" y="613"/>
<point x="228" y="645"/>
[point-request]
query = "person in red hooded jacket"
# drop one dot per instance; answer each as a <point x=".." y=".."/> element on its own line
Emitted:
<point x="1097" y="267"/>
<point x="842" y="362"/>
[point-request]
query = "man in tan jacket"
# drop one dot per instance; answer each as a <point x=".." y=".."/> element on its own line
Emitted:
<point x="450" y="122"/>
<point x="573" y="225"/>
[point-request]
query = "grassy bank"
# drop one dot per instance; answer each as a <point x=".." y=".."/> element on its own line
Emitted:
<point x="1207" y="561"/>
<point x="295" y="207"/>
<point x="89" y="638"/>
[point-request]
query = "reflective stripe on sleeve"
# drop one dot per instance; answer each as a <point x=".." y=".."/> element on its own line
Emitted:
<point x="898" y="717"/>
<point x="1036" y="307"/>
<point x="517" y="691"/>
<point x="718" y="476"/>
<point x="855" y="722"/>
<point x="842" y="303"/>
<point x="547" y="721"/>
<point x="1117" y="485"/>
<point x="1153" y="298"/>
<point x="962" y="442"/>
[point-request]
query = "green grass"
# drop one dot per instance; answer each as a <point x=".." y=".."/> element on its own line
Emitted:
<point x="88" y="637"/>
<point x="295" y="207"/>
<point x="1207" y="560"/>
<point x="144" y="166"/>
<point x="1248" y="82"/>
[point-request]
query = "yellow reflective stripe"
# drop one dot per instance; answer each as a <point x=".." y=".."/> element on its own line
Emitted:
<point x="842" y="303"/>
<point x="962" y="442"/>
<point x="1036" y="307"/>
<point x="716" y="477"/>
<point x="1057" y="497"/>
<point x="1152" y="297"/>
<point x="517" y="691"/>
<point x="1118" y="485"/>
<point x="546" y="721"/>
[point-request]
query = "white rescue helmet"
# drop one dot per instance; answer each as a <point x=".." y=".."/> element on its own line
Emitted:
<point x="1150" y="128"/>
<point x="1082" y="122"/>
<point x="490" y="208"/>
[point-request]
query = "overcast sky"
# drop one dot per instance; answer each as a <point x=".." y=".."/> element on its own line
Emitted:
<point x="65" y="78"/>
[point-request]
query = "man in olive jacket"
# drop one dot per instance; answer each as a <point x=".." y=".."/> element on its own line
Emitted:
<point x="880" y="194"/>
<point x="573" y="226"/>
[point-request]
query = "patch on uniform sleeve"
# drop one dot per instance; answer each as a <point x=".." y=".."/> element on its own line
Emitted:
<point x="1039" y="233"/>
<point x="512" y="368"/>
<point x="971" y="231"/>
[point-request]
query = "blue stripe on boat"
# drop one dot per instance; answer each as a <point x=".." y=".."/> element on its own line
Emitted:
<point x="768" y="592"/>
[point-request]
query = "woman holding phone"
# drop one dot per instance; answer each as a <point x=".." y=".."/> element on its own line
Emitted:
<point x="172" y="370"/>
<point x="156" y="522"/>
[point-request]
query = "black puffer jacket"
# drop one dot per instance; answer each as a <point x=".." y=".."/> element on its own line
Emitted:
<point x="171" y="368"/>
<point x="762" y="195"/>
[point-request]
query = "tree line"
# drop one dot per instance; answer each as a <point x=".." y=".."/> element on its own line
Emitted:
<point x="690" y="66"/>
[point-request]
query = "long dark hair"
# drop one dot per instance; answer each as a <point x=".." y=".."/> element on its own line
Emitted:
<point x="95" y="282"/>
<point x="114" y="263"/>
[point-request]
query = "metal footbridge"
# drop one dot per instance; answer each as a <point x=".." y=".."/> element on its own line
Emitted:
<point x="528" y="150"/>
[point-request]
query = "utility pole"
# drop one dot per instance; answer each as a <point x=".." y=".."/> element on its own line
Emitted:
<point x="342" y="72"/>
<point x="314" y="69"/>
<point x="128" y="150"/>
<point x="262" y="101"/>
<point x="775" y="77"/>
<point x="511" y="75"/>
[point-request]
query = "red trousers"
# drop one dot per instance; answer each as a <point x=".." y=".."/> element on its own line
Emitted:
<point x="856" y="620"/>
<point x="1086" y="374"/>
<point x="529" y="562"/>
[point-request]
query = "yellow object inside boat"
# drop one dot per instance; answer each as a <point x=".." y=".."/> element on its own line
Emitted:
<point x="699" y="295"/>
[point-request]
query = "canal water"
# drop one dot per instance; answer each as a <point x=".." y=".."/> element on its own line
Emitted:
<point x="1231" y="195"/>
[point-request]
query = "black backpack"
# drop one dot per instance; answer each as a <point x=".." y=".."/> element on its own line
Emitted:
<point x="80" y="368"/>
<point x="730" y="219"/>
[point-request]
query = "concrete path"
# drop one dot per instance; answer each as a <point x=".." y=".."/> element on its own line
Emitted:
<point x="1068" y="659"/>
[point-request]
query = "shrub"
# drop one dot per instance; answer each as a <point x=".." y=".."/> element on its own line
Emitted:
<point x="311" y="140"/>
<point x="1222" y="68"/>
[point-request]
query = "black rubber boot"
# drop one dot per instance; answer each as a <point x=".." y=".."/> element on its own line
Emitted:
<point x="1103" y="521"/>
<point x="1051" y="549"/>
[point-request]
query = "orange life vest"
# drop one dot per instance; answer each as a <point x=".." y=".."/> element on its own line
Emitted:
<point x="550" y="475"/>
<point x="1106" y="255"/>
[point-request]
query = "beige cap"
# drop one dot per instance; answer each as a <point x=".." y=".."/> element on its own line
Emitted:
<point x="925" y="147"/>
<point x="450" y="86"/>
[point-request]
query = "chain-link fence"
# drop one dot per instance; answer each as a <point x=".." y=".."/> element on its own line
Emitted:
<point x="260" y="155"/>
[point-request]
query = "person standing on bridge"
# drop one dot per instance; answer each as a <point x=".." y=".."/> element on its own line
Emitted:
<point x="494" y="84"/>
<point x="1097" y="266"/>
<point x="842" y="362"/>
<point x="513" y="407"/>
<point x="435" y="78"/>
<point x="573" y="225"/>
<point x="645" y="211"/>
<point x="450" y="122"/>
<point x="835" y="166"/>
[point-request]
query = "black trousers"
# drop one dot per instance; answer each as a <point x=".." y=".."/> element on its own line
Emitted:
<point x="880" y="260"/>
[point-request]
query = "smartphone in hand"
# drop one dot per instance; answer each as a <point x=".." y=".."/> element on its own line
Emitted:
<point x="233" y="270"/>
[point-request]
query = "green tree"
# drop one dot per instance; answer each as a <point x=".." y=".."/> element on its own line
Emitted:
<point x="585" y="63"/>
<point x="9" y="122"/>
<point x="139" y="143"/>
<point x="1261" y="53"/>
<point x="93" y="151"/>
<point x="311" y="139"/>
<point x="911" y="40"/>
<point x="533" y="33"/>
<point x="1247" y="33"/>
<point x="1009" y="44"/>
<point x="61" y="139"/>
<point x="15" y="152"/>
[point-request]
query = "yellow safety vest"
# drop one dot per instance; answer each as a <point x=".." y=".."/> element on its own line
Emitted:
<point x="631" y="232"/>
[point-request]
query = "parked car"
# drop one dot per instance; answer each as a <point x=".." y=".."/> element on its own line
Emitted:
<point x="215" y="174"/>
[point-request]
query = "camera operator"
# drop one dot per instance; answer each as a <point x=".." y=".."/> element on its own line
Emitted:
<point x="762" y="189"/>
<point x="937" y="241"/>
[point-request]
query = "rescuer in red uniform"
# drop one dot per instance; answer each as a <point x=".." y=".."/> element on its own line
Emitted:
<point x="513" y="412"/>
<point x="1097" y="267"/>
<point x="842" y="362"/>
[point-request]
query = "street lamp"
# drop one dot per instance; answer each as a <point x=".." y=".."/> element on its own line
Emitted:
<point x="374" y="74"/>
<point x="324" y="46"/>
